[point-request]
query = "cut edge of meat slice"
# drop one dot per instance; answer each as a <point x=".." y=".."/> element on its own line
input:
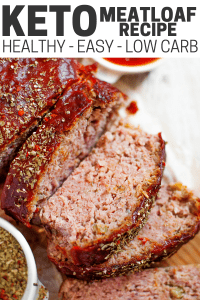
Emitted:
<point x="174" y="220"/>
<point x="126" y="167"/>
<point x="177" y="282"/>
<point x="90" y="103"/>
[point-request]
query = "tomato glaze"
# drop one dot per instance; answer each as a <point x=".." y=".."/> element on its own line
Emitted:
<point x="130" y="62"/>
<point x="132" y="108"/>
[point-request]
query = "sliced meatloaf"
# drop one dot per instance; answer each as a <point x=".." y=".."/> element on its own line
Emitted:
<point x="29" y="87"/>
<point x="64" y="138"/>
<point x="180" y="282"/>
<point x="105" y="201"/>
<point x="174" y="220"/>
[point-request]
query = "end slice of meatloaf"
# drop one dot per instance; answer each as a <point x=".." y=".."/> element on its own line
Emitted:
<point x="173" y="221"/>
<point x="64" y="138"/>
<point x="180" y="282"/>
<point x="29" y="87"/>
<point x="106" y="200"/>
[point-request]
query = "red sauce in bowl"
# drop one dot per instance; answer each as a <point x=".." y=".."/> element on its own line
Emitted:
<point x="131" y="62"/>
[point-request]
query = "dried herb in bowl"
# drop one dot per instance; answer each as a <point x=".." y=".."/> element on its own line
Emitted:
<point x="13" y="267"/>
<point x="42" y="293"/>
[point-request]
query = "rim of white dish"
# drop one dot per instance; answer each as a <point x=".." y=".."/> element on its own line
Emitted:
<point x="128" y="69"/>
<point x="31" y="289"/>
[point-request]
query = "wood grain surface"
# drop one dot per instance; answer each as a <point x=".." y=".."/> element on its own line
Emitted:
<point x="170" y="97"/>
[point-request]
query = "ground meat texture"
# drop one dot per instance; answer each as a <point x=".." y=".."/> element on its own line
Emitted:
<point x="181" y="282"/>
<point x="174" y="220"/>
<point x="29" y="87"/>
<point x="65" y="136"/>
<point x="106" y="199"/>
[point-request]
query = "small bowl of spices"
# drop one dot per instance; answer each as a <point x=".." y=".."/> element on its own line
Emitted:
<point x="111" y="69"/>
<point x="18" y="272"/>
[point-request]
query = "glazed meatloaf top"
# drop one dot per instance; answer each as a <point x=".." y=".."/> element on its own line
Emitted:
<point x="28" y="88"/>
<point x="105" y="201"/>
<point x="65" y="136"/>
<point x="174" y="219"/>
<point x="180" y="282"/>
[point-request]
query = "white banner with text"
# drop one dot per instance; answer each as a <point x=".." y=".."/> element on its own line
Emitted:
<point x="107" y="28"/>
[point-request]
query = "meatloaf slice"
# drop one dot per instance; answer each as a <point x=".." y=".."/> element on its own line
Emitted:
<point x="29" y="87"/>
<point x="180" y="282"/>
<point x="173" y="221"/>
<point x="64" y="138"/>
<point x="105" y="201"/>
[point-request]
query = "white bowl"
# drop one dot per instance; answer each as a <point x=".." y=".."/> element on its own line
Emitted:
<point x="33" y="283"/>
<point x="111" y="72"/>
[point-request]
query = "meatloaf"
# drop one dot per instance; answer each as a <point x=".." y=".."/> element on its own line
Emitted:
<point x="64" y="138"/>
<point x="174" y="220"/>
<point x="106" y="200"/>
<point x="29" y="87"/>
<point x="180" y="282"/>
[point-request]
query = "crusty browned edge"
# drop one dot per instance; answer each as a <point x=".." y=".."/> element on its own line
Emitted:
<point x="103" y="249"/>
<point x="15" y="146"/>
<point x="159" y="252"/>
<point x="13" y="186"/>
<point x="9" y="111"/>
<point x="16" y="195"/>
